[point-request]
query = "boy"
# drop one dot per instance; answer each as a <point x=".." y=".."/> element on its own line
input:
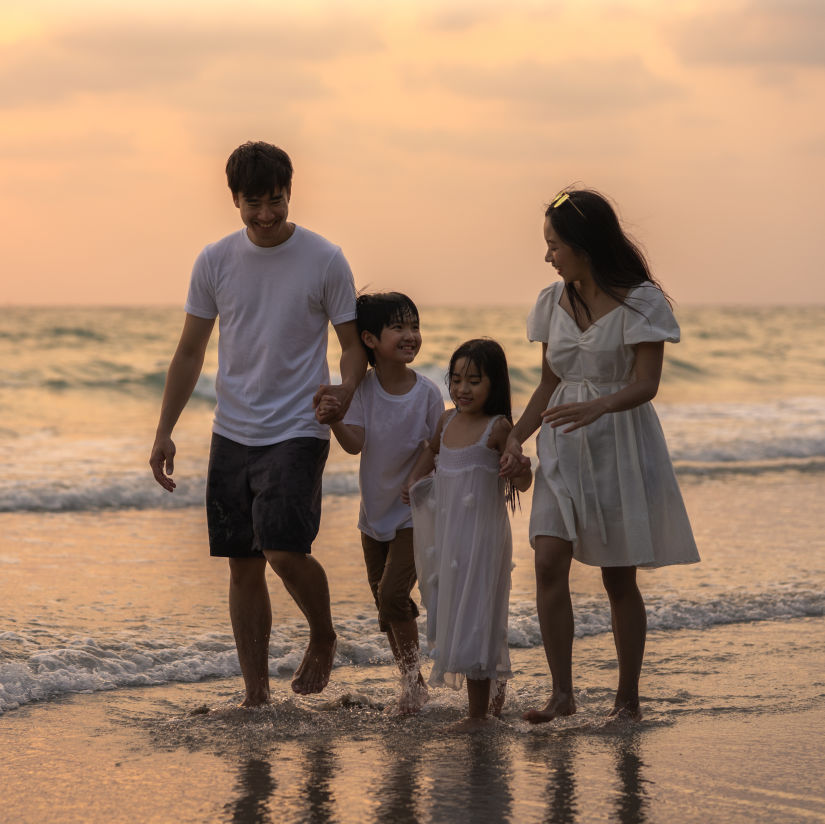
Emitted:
<point x="394" y="411"/>
<point x="276" y="287"/>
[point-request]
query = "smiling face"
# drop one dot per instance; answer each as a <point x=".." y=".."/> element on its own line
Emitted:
<point x="399" y="342"/>
<point x="265" y="216"/>
<point x="570" y="264"/>
<point x="469" y="387"/>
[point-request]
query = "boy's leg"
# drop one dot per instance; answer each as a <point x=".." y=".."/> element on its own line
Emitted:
<point x="251" y="615"/>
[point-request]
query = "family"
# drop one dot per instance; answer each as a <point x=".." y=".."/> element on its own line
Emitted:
<point x="437" y="487"/>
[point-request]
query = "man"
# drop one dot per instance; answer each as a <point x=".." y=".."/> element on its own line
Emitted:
<point x="275" y="286"/>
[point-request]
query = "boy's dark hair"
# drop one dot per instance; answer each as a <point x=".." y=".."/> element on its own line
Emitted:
<point x="376" y="311"/>
<point x="258" y="168"/>
<point x="489" y="358"/>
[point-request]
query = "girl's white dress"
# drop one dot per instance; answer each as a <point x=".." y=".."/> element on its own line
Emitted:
<point x="608" y="487"/>
<point x="463" y="557"/>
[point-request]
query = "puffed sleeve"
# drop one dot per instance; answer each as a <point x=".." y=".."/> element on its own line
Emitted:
<point x="538" y="321"/>
<point x="648" y="317"/>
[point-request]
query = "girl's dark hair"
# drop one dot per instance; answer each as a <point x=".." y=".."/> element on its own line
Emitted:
<point x="489" y="358"/>
<point x="257" y="168"/>
<point x="376" y="311"/>
<point x="586" y="221"/>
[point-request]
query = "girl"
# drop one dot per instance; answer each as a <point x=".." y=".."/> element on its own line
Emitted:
<point x="605" y="493"/>
<point x="461" y="529"/>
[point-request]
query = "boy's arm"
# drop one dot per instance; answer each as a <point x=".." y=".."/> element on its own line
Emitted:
<point x="349" y="436"/>
<point x="183" y="374"/>
<point x="424" y="463"/>
<point x="353" y="365"/>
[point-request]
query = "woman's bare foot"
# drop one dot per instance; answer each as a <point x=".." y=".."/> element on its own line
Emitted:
<point x="471" y="724"/>
<point x="559" y="705"/>
<point x="313" y="672"/>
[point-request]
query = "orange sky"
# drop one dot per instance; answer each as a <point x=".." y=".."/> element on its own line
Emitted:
<point x="426" y="137"/>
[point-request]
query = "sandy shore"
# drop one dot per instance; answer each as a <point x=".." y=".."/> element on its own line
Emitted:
<point x="184" y="753"/>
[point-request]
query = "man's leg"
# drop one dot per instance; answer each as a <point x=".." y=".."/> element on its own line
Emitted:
<point x="306" y="581"/>
<point x="251" y="615"/>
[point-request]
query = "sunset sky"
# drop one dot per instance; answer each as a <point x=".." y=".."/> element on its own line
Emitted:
<point x="427" y="138"/>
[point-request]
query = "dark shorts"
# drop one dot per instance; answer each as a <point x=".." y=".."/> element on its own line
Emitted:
<point x="264" y="497"/>
<point x="391" y="574"/>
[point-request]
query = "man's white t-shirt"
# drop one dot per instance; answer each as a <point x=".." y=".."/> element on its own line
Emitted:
<point x="394" y="428"/>
<point x="274" y="306"/>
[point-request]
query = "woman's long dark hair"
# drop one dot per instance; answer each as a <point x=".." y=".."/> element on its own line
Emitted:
<point x="586" y="221"/>
<point x="489" y="358"/>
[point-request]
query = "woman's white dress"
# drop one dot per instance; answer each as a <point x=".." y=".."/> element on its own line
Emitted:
<point x="608" y="487"/>
<point x="463" y="557"/>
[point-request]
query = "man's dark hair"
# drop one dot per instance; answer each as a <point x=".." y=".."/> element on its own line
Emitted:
<point x="381" y="309"/>
<point x="258" y="168"/>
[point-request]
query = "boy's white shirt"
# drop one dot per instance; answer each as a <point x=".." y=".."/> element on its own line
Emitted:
<point x="394" y="428"/>
<point x="275" y="305"/>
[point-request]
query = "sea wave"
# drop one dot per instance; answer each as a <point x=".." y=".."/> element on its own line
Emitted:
<point x="35" y="667"/>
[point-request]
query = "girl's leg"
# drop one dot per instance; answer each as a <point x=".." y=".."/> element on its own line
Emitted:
<point x="627" y="611"/>
<point x="478" y="693"/>
<point x="499" y="693"/>
<point x="555" y="610"/>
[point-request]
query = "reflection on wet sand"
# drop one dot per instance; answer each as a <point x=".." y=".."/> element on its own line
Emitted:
<point x="556" y="759"/>
<point x="398" y="793"/>
<point x="631" y="803"/>
<point x="256" y="786"/>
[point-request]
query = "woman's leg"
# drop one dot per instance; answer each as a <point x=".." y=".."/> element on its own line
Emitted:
<point x="627" y="611"/>
<point x="555" y="611"/>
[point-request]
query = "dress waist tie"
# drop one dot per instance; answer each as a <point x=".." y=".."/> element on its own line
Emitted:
<point x="585" y="387"/>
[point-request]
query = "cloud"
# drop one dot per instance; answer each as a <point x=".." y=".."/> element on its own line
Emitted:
<point x="791" y="32"/>
<point x="138" y="56"/>
<point x="578" y="87"/>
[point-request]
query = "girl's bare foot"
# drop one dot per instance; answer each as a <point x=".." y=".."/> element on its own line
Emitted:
<point x="559" y="705"/>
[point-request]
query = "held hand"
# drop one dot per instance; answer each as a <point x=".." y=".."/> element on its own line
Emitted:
<point x="331" y="403"/>
<point x="405" y="494"/>
<point x="576" y="415"/>
<point x="163" y="453"/>
<point x="513" y="460"/>
<point x="328" y="409"/>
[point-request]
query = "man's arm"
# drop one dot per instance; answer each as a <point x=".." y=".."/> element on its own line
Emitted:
<point x="353" y="366"/>
<point x="183" y="374"/>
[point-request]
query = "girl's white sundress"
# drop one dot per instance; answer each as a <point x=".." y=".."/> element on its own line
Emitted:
<point x="463" y="557"/>
<point x="608" y="487"/>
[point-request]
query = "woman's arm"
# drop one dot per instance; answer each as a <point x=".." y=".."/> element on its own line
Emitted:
<point x="512" y="459"/>
<point x="647" y="373"/>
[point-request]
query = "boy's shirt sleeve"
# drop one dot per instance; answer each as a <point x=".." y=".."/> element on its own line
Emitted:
<point x="435" y="409"/>
<point x="356" y="414"/>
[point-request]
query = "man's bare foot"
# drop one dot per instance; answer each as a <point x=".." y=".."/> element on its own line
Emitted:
<point x="558" y="705"/>
<point x="625" y="712"/>
<point x="414" y="694"/>
<point x="313" y="672"/>
<point x="471" y="724"/>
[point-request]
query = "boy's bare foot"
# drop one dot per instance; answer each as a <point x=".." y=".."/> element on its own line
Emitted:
<point x="558" y="705"/>
<point x="414" y="694"/>
<point x="471" y="724"/>
<point x="313" y="672"/>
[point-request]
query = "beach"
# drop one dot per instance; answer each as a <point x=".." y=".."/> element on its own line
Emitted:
<point x="119" y="682"/>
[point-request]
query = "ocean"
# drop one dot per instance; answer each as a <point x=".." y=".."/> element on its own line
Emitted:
<point x="116" y="654"/>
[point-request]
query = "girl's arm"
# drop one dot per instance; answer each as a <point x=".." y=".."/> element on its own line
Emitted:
<point x="425" y="462"/>
<point x="512" y="459"/>
<point x="349" y="436"/>
<point x="522" y="475"/>
<point x="647" y="373"/>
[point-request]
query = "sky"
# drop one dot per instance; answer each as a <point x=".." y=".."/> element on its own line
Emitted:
<point x="427" y="138"/>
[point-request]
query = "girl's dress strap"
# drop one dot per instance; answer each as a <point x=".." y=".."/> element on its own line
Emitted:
<point x="488" y="429"/>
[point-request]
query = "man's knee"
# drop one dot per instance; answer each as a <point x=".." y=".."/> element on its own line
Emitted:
<point x="286" y="564"/>
<point x="247" y="572"/>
